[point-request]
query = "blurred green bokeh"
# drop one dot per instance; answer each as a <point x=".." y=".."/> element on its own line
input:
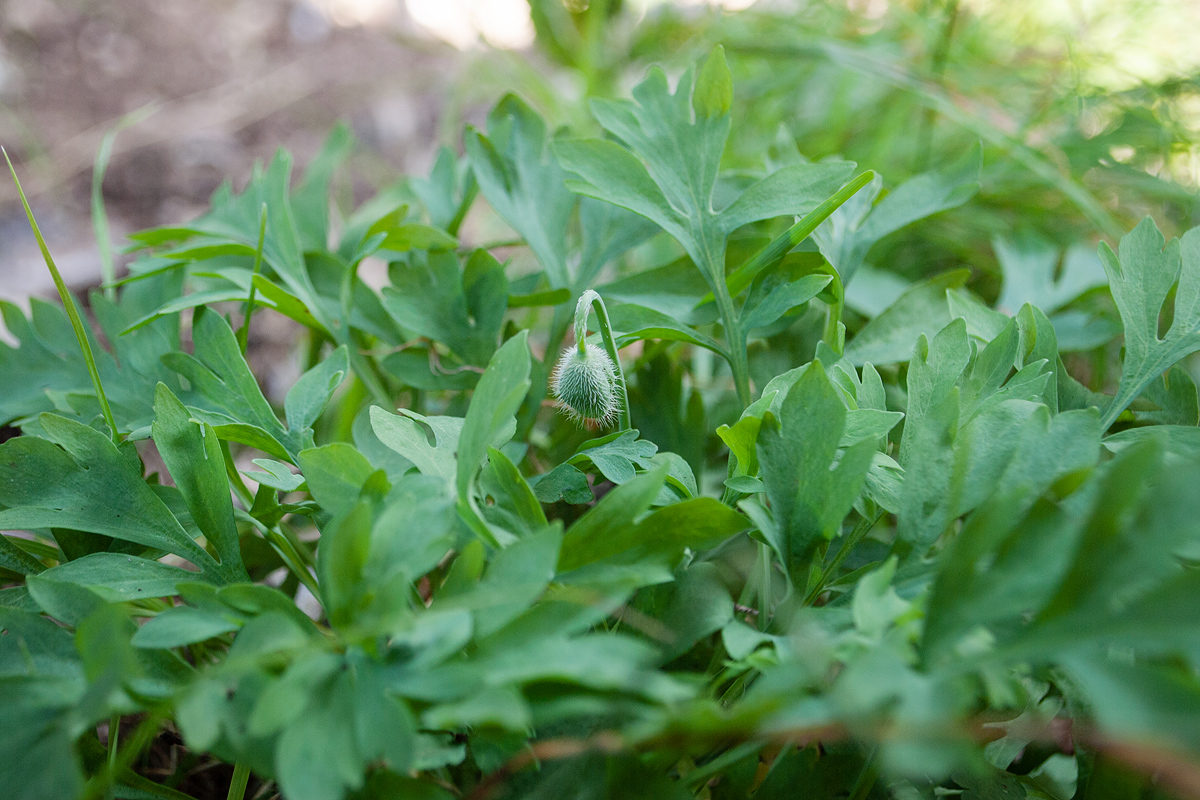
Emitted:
<point x="1088" y="110"/>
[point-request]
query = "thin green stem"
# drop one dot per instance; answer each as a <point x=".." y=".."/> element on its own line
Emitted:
<point x="243" y="334"/>
<point x="736" y="337"/>
<point x="764" y="590"/>
<point x="835" y="332"/>
<point x="69" y="305"/>
<point x="235" y="477"/>
<point x="98" y="786"/>
<point x="581" y="314"/>
<point x="863" y="527"/>
<point x="593" y="43"/>
<point x="237" y="786"/>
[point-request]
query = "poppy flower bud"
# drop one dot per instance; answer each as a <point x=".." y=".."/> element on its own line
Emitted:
<point x="586" y="385"/>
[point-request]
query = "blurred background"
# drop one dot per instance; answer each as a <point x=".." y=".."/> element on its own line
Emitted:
<point x="1088" y="110"/>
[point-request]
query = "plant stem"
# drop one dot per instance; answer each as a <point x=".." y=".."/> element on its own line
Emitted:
<point x="69" y="305"/>
<point x="860" y="530"/>
<point x="99" y="784"/>
<point x="581" y="315"/>
<point x="237" y="786"/>
<point x="764" y="591"/>
<point x="736" y="337"/>
<point x="243" y="334"/>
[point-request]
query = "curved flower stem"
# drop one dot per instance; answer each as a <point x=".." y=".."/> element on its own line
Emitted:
<point x="581" y="317"/>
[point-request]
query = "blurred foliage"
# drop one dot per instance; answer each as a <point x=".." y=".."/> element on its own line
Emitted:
<point x="906" y="508"/>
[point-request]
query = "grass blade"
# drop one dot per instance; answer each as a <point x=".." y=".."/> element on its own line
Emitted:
<point x="68" y="303"/>
<point x="99" y="215"/>
<point x="744" y="275"/>
<point x="243" y="334"/>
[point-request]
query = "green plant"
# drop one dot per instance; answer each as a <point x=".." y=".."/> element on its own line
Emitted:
<point x="918" y="558"/>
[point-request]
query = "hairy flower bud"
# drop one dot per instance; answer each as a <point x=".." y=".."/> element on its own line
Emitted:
<point x="586" y="385"/>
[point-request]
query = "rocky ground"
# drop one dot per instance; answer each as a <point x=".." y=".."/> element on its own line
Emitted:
<point x="227" y="82"/>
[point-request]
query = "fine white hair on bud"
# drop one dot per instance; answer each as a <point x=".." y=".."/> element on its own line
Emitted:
<point x="586" y="385"/>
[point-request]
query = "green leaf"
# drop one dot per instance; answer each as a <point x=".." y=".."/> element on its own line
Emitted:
<point x="235" y="218"/>
<point x="448" y="192"/>
<point x="499" y="707"/>
<point x="316" y="757"/>
<point x="848" y="235"/>
<point x="433" y="296"/>
<point x="414" y="236"/>
<point x="226" y="395"/>
<point x="1182" y="442"/>
<point x="932" y="479"/>
<point x="310" y="201"/>
<point x="275" y="474"/>
<point x="512" y="495"/>
<point x="405" y="434"/>
<point x="17" y="560"/>
<point x="38" y="737"/>
<point x="515" y="578"/>
<point x="565" y="482"/>
<point x="669" y="170"/>
<point x="413" y="532"/>
<point x="491" y="418"/>
<point x="674" y="289"/>
<point x="335" y="474"/>
<point x="876" y="606"/>
<point x="1140" y="279"/>
<point x="180" y="626"/>
<point x="345" y="547"/>
<point x="591" y="537"/>
<point x="1155" y="705"/>
<point x="608" y="232"/>
<point x="523" y="182"/>
<point x="33" y="644"/>
<point x="1030" y="263"/>
<point x="1002" y="563"/>
<point x="714" y="87"/>
<point x="777" y="298"/>
<point x="308" y="396"/>
<point x="810" y="496"/>
<point x="116" y="577"/>
<point x="96" y="489"/>
<point x="617" y="456"/>
<point x="633" y="323"/>
<point x="921" y="310"/>
<point x="47" y="360"/>
<point x="701" y="605"/>
<point x="197" y="465"/>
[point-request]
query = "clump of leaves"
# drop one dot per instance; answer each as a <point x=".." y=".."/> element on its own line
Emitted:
<point x="954" y="570"/>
